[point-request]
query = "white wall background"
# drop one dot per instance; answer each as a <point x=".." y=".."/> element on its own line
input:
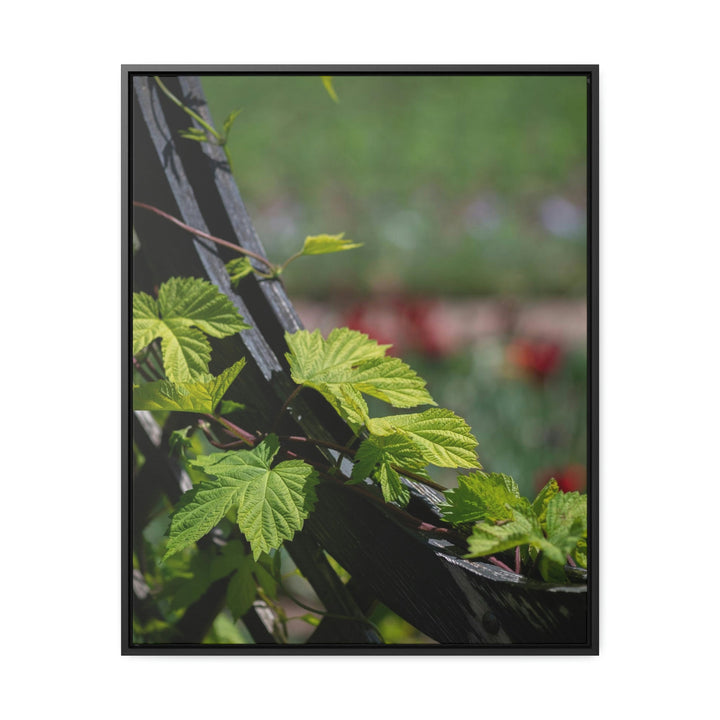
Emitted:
<point x="60" y="130"/>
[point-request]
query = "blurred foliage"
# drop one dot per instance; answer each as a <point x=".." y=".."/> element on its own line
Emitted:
<point x="456" y="185"/>
<point x="393" y="629"/>
<point x="530" y="425"/>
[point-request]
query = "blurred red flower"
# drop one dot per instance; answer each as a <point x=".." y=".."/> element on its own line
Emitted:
<point x="537" y="359"/>
<point x="408" y="324"/>
<point x="569" y="478"/>
<point x="377" y="325"/>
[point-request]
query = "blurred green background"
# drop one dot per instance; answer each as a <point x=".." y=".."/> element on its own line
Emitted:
<point x="469" y="194"/>
<point x="457" y="185"/>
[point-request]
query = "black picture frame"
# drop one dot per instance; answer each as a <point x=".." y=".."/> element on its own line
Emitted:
<point x="131" y="114"/>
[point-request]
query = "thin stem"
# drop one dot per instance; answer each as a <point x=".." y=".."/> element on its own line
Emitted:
<point x="221" y="139"/>
<point x="190" y="112"/>
<point x="285" y="405"/>
<point x="517" y="560"/>
<point x="325" y="613"/>
<point x="157" y="374"/>
<point x="153" y="373"/>
<point x="141" y="370"/>
<point x="407" y="519"/>
<point x="156" y="371"/>
<point x="418" y="478"/>
<point x="298" y="602"/>
<point x="236" y="431"/>
<point x="288" y="261"/>
<point x="156" y="354"/>
<point x="322" y="443"/>
<point x="499" y="563"/>
<point x="280" y="624"/>
<point x="350" y="452"/>
<point x="226" y="446"/>
<point x="205" y="235"/>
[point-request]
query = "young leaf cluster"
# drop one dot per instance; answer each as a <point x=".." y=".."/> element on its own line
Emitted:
<point x="186" y="312"/>
<point x="550" y="529"/>
<point x="348" y="365"/>
<point x="270" y="500"/>
<point x="239" y="268"/>
<point x="205" y="133"/>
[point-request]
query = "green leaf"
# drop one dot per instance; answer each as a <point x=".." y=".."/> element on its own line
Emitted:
<point x="489" y="538"/>
<point x="566" y="523"/>
<point x="313" y="357"/>
<point x="193" y="133"/>
<point x="310" y="619"/>
<point x="272" y="503"/>
<point x="445" y="438"/>
<point x="241" y="590"/>
<point x="579" y="554"/>
<point x="231" y="557"/>
<point x="323" y="244"/>
<point x="229" y="120"/>
<point x="566" y="519"/>
<point x="201" y="395"/>
<point x="179" y="440"/>
<point x="266" y="580"/>
<point x="205" y="568"/>
<point x="540" y="503"/>
<point x="186" y="310"/>
<point x="227" y="407"/>
<point x="483" y="496"/>
<point x="327" y="82"/>
<point x="192" y="301"/>
<point x="392" y="486"/>
<point x="391" y="380"/>
<point x="348" y="364"/>
<point x="145" y="321"/>
<point x="384" y="457"/>
<point x="237" y="269"/>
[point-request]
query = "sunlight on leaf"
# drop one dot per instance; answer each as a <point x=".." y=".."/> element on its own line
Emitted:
<point x="237" y="269"/>
<point x="349" y="364"/>
<point x="327" y="82"/>
<point x="271" y="502"/>
<point x="201" y="395"/>
<point x="186" y="310"/>
<point x="323" y="244"/>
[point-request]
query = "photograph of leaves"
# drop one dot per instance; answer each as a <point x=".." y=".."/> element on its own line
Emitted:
<point x="376" y="443"/>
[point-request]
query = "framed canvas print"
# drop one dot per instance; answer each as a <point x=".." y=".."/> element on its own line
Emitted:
<point x="360" y="360"/>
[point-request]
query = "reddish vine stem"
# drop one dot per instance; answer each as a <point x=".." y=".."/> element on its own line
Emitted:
<point x="322" y="443"/>
<point x="152" y="372"/>
<point x="500" y="564"/>
<point x="227" y="446"/>
<point x="407" y="518"/>
<point x="141" y="370"/>
<point x="418" y="478"/>
<point x="234" y="430"/>
<point x="350" y="452"/>
<point x="207" y="236"/>
<point x="156" y="354"/>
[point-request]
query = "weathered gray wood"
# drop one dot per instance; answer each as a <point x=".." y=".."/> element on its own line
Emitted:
<point x="265" y="383"/>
